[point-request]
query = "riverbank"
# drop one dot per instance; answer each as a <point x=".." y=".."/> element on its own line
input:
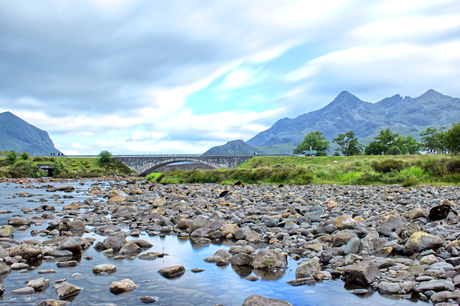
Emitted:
<point x="61" y="167"/>
<point x="301" y="240"/>
<point x="406" y="170"/>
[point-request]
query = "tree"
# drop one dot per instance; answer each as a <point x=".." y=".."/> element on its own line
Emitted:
<point x="12" y="156"/>
<point x="386" y="138"/>
<point x="374" y="148"/>
<point x="452" y="138"/>
<point x="104" y="157"/>
<point x="348" y="144"/>
<point x="407" y="144"/>
<point x="314" y="140"/>
<point x="434" y="139"/>
<point x="24" y="155"/>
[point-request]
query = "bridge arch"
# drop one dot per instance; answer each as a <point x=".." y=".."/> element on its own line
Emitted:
<point x="151" y="167"/>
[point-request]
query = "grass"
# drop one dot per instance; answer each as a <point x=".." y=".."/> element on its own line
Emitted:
<point x="71" y="167"/>
<point x="407" y="170"/>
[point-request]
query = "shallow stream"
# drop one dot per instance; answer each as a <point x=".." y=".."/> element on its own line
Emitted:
<point x="216" y="285"/>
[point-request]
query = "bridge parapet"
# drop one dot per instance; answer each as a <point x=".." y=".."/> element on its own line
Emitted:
<point x="144" y="164"/>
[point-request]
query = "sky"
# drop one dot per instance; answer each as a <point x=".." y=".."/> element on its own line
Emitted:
<point x="148" y="77"/>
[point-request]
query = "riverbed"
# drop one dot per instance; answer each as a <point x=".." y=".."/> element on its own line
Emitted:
<point x="226" y="285"/>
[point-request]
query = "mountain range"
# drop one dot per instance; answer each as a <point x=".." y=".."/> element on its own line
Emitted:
<point x="404" y="115"/>
<point x="16" y="134"/>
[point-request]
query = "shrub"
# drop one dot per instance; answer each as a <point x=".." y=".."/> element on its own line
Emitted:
<point x="58" y="167"/>
<point x="25" y="155"/>
<point x="23" y="169"/>
<point x="410" y="182"/>
<point x="388" y="165"/>
<point x="104" y="157"/>
<point x="394" y="150"/>
<point x="12" y="156"/>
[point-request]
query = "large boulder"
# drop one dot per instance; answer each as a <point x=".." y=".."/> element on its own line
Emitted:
<point x="420" y="241"/>
<point x="229" y="228"/>
<point x="257" y="300"/>
<point x="19" y="221"/>
<point x="26" y="251"/>
<point x="39" y="283"/>
<point x="221" y="254"/>
<point x="362" y="273"/>
<point x="199" y="222"/>
<point x="309" y="268"/>
<point x="392" y="224"/>
<point x="242" y="260"/>
<point x="104" y="268"/>
<point x="114" y="242"/>
<point x="122" y="285"/>
<point x="69" y="244"/>
<point x="269" y="259"/>
<point x="4" y="269"/>
<point x="64" y="290"/>
<point x="129" y="248"/>
<point x="172" y="271"/>
<point x="6" y="230"/>
<point x="345" y="222"/>
<point x="77" y="225"/>
<point x="342" y="237"/>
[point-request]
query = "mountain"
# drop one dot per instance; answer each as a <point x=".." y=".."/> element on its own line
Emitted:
<point x="406" y="116"/>
<point x="236" y="147"/>
<point x="18" y="135"/>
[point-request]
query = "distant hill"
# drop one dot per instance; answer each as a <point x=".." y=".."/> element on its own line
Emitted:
<point x="406" y="116"/>
<point x="16" y="134"/>
<point x="237" y="147"/>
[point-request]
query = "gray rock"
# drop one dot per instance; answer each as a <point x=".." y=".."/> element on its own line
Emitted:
<point x="253" y="237"/>
<point x="363" y="273"/>
<point x="368" y="241"/>
<point x="114" y="242"/>
<point x="122" y="285"/>
<point x="269" y="259"/>
<point x="327" y="255"/>
<point x="22" y="291"/>
<point x="6" y="230"/>
<point x="142" y="243"/>
<point x="39" y="283"/>
<point x="242" y="260"/>
<point x="221" y="254"/>
<point x="342" y="237"/>
<point x="241" y="233"/>
<point x="388" y="287"/>
<point x="442" y="265"/>
<point x="257" y="300"/>
<point x="4" y="269"/>
<point x="130" y="248"/>
<point x="272" y="221"/>
<point x="58" y="253"/>
<point x="64" y="290"/>
<point x="172" y="271"/>
<point x="352" y="246"/>
<point x="312" y="217"/>
<point x="104" y="268"/>
<point x="392" y="225"/>
<point x="69" y="244"/>
<point x="308" y="268"/>
<point x="436" y="285"/>
<point x="420" y="241"/>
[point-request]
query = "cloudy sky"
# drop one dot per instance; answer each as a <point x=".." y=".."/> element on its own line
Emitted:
<point x="172" y="76"/>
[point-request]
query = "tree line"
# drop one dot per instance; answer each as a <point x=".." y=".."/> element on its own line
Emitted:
<point x="434" y="140"/>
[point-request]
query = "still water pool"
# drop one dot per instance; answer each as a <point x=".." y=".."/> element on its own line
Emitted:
<point x="216" y="285"/>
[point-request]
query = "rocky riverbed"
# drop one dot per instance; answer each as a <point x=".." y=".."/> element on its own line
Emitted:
<point x="374" y="238"/>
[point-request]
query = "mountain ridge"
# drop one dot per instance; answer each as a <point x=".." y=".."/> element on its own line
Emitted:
<point x="17" y="134"/>
<point x="348" y="113"/>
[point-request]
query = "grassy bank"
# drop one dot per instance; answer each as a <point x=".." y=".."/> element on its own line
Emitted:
<point x="407" y="170"/>
<point x="63" y="167"/>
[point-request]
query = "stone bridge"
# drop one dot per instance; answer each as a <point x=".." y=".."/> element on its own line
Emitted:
<point x="145" y="164"/>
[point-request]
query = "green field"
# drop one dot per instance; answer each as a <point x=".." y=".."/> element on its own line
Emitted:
<point x="407" y="170"/>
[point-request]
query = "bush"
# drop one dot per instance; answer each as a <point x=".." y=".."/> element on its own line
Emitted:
<point x="25" y="155"/>
<point x="58" y="168"/>
<point x="12" y="156"/>
<point x="23" y="169"/>
<point x="410" y="182"/>
<point x="104" y="157"/>
<point x="394" y="150"/>
<point x="388" y="165"/>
